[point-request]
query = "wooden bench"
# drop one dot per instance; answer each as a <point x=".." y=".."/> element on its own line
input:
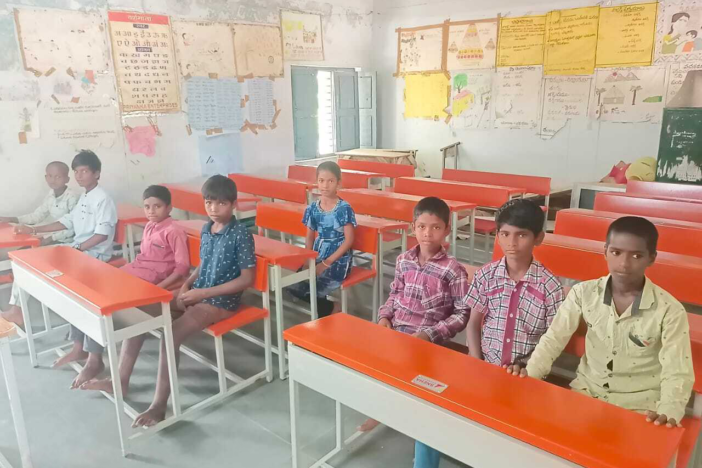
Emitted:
<point x="639" y="206"/>
<point x="273" y="188"/>
<point x="639" y="187"/>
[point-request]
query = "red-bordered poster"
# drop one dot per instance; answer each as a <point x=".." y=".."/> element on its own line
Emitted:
<point x="142" y="50"/>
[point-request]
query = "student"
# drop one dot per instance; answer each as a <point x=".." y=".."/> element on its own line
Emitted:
<point x="428" y="295"/>
<point x="334" y="221"/>
<point x="164" y="260"/>
<point x="637" y="350"/>
<point x="93" y="220"/>
<point x="58" y="202"/>
<point x="213" y="291"/>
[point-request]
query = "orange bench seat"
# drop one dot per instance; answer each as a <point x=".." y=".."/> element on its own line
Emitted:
<point x="245" y="316"/>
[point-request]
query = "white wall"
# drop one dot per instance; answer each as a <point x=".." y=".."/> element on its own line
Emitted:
<point x="347" y="43"/>
<point x="583" y="151"/>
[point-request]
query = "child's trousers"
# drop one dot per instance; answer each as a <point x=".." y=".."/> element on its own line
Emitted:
<point x="425" y="456"/>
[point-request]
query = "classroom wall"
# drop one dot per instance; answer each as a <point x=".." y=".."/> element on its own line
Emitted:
<point x="583" y="151"/>
<point x="347" y="43"/>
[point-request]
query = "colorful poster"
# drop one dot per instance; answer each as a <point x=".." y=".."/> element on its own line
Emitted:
<point x="626" y="35"/>
<point x="521" y="41"/>
<point x="220" y="154"/>
<point x="204" y="49"/>
<point x="420" y="49"/>
<point x="571" y="41"/>
<point x="426" y="96"/>
<point x="684" y="85"/>
<point x="302" y="36"/>
<point x="258" y="50"/>
<point x="679" y="31"/>
<point x="471" y="94"/>
<point x="142" y="48"/>
<point x="628" y="94"/>
<point x="564" y="98"/>
<point x="52" y="40"/>
<point x="517" y="91"/>
<point x="471" y="44"/>
<point x="214" y="104"/>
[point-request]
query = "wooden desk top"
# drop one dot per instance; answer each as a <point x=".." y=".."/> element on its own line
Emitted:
<point x="102" y="288"/>
<point x="452" y="204"/>
<point x="7" y="329"/>
<point x="380" y="224"/>
<point x="575" y="427"/>
<point x="8" y="239"/>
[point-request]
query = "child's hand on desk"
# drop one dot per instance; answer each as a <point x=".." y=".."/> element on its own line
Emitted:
<point x="516" y="369"/>
<point x="422" y="336"/>
<point x="661" y="419"/>
<point x="383" y="322"/>
<point x="191" y="297"/>
<point x="22" y="229"/>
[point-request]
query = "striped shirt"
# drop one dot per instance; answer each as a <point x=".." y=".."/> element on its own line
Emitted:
<point x="516" y="314"/>
<point x="429" y="298"/>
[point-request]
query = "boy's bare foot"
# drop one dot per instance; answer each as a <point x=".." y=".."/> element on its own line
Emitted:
<point x="150" y="417"/>
<point x="14" y="315"/>
<point x="91" y="370"/>
<point x="75" y="354"/>
<point x="369" y="425"/>
<point x="102" y="385"/>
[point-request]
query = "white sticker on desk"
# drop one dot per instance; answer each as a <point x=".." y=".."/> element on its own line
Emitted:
<point x="54" y="274"/>
<point x="430" y="384"/>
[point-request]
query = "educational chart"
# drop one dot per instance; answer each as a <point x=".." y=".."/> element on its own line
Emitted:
<point x="214" y="104"/>
<point x="420" y="49"/>
<point x="302" y="36"/>
<point x="517" y="91"/>
<point x="679" y="31"/>
<point x="258" y="50"/>
<point x="261" y="102"/>
<point x="471" y="44"/>
<point x="521" y="41"/>
<point x="142" y="46"/>
<point x="684" y="85"/>
<point x="571" y="41"/>
<point x="220" y="154"/>
<point x="626" y="35"/>
<point x="426" y="96"/>
<point x="85" y="125"/>
<point x="564" y="98"/>
<point x="204" y="49"/>
<point x="680" y="147"/>
<point x="471" y="94"/>
<point x="628" y="94"/>
<point x="71" y="40"/>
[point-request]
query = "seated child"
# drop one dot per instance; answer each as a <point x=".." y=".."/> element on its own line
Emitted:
<point x="334" y="220"/>
<point x="638" y="352"/>
<point x="213" y="291"/>
<point x="428" y="295"/>
<point x="58" y="202"/>
<point x="163" y="261"/>
<point x="512" y="301"/>
<point x="93" y="220"/>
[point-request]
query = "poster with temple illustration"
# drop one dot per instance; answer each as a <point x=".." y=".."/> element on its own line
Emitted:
<point x="472" y="44"/>
<point x="679" y="32"/>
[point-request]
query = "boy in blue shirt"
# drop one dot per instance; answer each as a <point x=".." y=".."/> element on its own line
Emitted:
<point x="213" y="292"/>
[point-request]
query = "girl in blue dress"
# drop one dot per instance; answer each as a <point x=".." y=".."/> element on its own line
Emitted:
<point x="332" y="220"/>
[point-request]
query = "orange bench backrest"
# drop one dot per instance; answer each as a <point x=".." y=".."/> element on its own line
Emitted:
<point x="303" y="173"/>
<point x="453" y="190"/>
<point x="365" y="240"/>
<point x="268" y="216"/>
<point x="380" y="206"/>
<point x="639" y="187"/>
<point x="641" y="206"/>
<point x="390" y="170"/>
<point x="532" y="184"/>
<point x="271" y="188"/>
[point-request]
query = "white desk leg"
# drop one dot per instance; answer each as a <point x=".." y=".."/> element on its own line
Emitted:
<point x="47" y="318"/>
<point x="313" y="289"/>
<point x="277" y="279"/>
<point x="125" y="250"/>
<point x="113" y="359"/>
<point x="15" y="404"/>
<point x="340" y="436"/>
<point x="472" y="235"/>
<point x="130" y="240"/>
<point x="381" y="265"/>
<point x="24" y="299"/>
<point x="294" y="420"/>
<point x="171" y="357"/>
<point x="454" y="232"/>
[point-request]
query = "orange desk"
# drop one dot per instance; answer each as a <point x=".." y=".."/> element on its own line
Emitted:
<point x="10" y="240"/>
<point x="689" y="210"/>
<point x="645" y="189"/>
<point x="100" y="300"/>
<point x="485" y="196"/>
<point x="127" y="216"/>
<point x="188" y="197"/>
<point x="532" y="184"/>
<point x="391" y="171"/>
<point x="272" y="187"/>
<point x="349" y="178"/>
<point x="484" y="418"/>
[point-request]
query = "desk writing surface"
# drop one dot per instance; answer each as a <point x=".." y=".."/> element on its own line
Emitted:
<point x="103" y="288"/>
<point x="130" y="214"/>
<point x="379" y="153"/>
<point x="362" y="220"/>
<point x="575" y="427"/>
<point x="8" y="238"/>
<point x="276" y="251"/>
<point x="452" y="204"/>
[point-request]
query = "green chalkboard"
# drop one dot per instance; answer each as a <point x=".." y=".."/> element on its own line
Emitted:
<point x="680" y="148"/>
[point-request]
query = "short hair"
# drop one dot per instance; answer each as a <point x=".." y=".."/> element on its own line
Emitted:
<point x="693" y="32"/>
<point x="87" y="158"/>
<point x="62" y="166"/>
<point x="521" y="213"/>
<point x="158" y="191"/>
<point x="636" y="226"/>
<point x="330" y="166"/>
<point x="433" y="206"/>
<point x="219" y="187"/>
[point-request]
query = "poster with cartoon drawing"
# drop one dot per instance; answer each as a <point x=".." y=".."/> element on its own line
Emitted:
<point x="679" y="31"/>
<point x="471" y="94"/>
<point x="204" y="49"/>
<point x="628" y="94"/>
<point x="420" y="49"/>
<point x="472" y="44"/>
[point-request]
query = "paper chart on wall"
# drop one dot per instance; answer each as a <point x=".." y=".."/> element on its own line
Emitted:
<point x="426" y="96"/>
<point x="420" y="49"/>
<point x="571" y="41"/>
<point x="258" y="50"/>
<point x="626" y="35"/>
<point x="516" y="93"/>
<point x="214" y="104"/>
<point x="679" y="32"/>
<point x="471" y="95"/>
<point x="142" y="48"/>
<point x="261" y="101"/>
<point x="628" y="94"/>
<point x="84" y="125"/>
<point x="220" y="154"/>
<point x="204" y="49"/>
<point x="521" y="41"/>
<point x="472" y="44"/>
<point x="52" y="40"/>
<point x="684" y="85"/>
<point x="564" y="98"/>
<point x="302" y="36"/>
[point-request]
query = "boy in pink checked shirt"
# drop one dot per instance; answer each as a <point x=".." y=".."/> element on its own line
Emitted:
<point x="163" y="261"/>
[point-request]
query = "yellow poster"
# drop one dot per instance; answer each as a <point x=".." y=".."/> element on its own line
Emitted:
<point x="426" y="96"/>
<point x="626" y="35"/>
<point x="521" y="41"/>
<point x="571" y="41"/>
